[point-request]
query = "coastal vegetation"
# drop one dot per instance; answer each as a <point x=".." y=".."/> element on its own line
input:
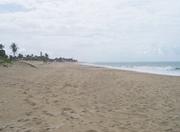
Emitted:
<point x="5" y="59"/>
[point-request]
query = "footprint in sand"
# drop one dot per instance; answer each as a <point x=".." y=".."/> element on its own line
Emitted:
<point x="70" y="113"/>
<point x="37" y="121"/>
<point x="91" y="131"/>
<point x="48" y="113"/>
<point x="1" y="129"/>
<point x="56" y="101"/>
<point x="30" y="102"/>
<point x="23" y="120"/>
<point x="28" y="113"/>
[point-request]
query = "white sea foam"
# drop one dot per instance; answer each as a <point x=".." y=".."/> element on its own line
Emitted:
<point x="161" y="70"/>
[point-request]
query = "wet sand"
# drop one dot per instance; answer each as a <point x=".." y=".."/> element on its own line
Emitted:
<point x="68" y="97"/>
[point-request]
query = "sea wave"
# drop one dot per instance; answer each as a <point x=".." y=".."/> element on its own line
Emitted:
<point x="161" y="70"/>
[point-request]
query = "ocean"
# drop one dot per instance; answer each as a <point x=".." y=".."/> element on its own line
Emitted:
<point x="162" y="68"/>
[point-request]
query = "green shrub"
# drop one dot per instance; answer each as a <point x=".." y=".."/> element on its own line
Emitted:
<point x="2" y="53"/>
<point x="4" y="60"/>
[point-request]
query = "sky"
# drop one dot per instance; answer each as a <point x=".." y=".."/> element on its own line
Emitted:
<point x="93" y="30"/>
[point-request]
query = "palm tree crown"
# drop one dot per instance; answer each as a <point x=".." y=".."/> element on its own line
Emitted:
<point x="14" y="48"/>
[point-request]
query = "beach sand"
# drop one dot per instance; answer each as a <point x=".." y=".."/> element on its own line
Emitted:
<point x="65" y="97"/>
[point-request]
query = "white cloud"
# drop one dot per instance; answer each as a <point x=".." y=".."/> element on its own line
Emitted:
<point x="95" y="30"/>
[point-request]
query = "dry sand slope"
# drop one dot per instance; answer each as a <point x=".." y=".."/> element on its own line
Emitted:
<point x="73" y="98"/>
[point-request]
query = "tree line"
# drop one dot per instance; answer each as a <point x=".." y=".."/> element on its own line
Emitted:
<point x="42" y="57"/>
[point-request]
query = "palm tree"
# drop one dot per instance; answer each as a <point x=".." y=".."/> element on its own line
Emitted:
<point x="1" y="46"/>
<point x="14" y="48"/>
<point x="41" y="54"/>
<point x="46" y="56"/>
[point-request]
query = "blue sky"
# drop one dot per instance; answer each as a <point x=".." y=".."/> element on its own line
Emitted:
<point x="94" y="30"/>
<point x="11" y="8"/>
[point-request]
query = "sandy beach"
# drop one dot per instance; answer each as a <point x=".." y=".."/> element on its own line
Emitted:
<point x="66" y="97"/>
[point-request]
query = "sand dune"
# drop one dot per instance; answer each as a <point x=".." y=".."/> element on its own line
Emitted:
<point x="72" y="98"/>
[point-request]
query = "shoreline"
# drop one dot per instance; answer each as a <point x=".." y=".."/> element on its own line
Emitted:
<point x="132" y="70"/>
